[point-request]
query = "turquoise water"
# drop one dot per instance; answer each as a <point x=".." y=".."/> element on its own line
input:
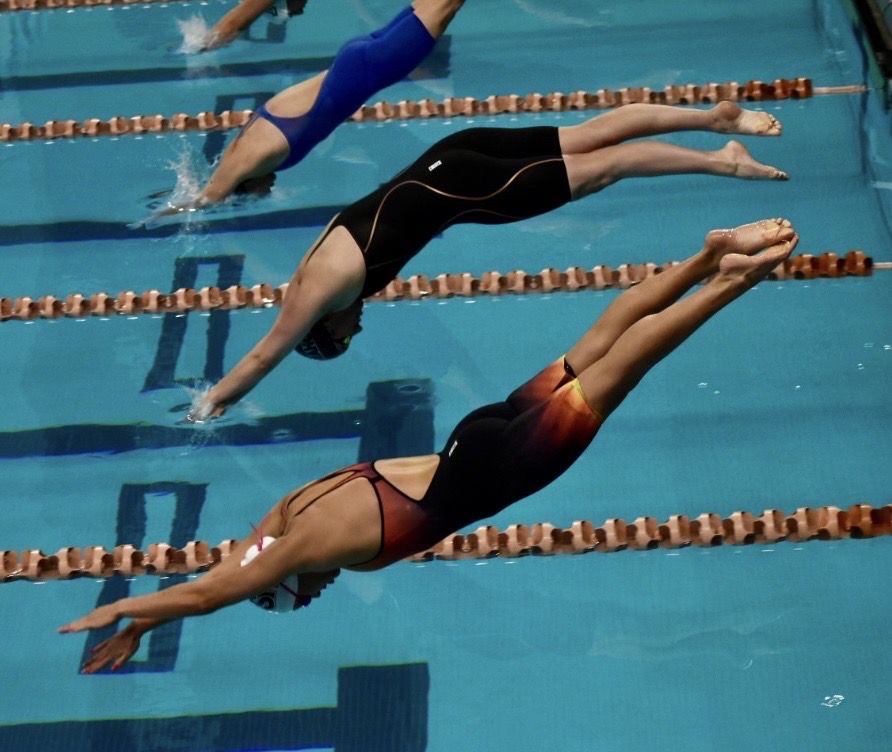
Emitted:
<point x="780" y="401"/>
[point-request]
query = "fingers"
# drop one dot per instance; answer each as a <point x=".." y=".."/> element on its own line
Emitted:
<point x="99" y="617"/>
<point x="106" y="653"/>
<point x="99" y="657"/>
<point x="101" y="646"/>
<point x="97" y="663"/>
<point x="203" y="410"/>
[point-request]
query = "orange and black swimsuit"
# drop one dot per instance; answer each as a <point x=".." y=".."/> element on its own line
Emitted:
<point x="477" y="175"/>
<point x="498" y="454"/>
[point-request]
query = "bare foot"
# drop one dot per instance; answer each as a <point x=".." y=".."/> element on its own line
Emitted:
<point x="730" y="117"/>
<point x="746" y="239"/>
<point x="742" y="164"/>
<point x="753" y="269"/>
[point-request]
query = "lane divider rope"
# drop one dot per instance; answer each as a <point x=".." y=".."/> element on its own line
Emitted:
<point x="187" y="300"/>
<point x="682" y="94"/>
<point x="487" y="542"/>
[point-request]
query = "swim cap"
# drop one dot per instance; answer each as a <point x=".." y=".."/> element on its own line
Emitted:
<point x="282" y="597"/>
<point x="252" y="552"/>
<point x="320" y="345"/>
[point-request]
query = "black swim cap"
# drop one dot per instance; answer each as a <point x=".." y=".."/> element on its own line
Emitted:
<point x="320" y="345"/>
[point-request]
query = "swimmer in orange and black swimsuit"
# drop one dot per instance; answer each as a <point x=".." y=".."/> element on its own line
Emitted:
<point x="484" y="176"/>
<point x="370" y="515"/>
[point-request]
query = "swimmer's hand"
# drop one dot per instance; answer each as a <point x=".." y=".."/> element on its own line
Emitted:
<point x="219" y="36"/>
<point x="153" y="219"/>
<point x="197" y="37"/>
<point x="198" y="420"/>
<point x="96" y="619"/>
<point x="169" y="209"/>
<point x="203" y="407"/>
<point x="237" y="20"/>
<point x="116" y="650"/>
<point x="203" y="413"/>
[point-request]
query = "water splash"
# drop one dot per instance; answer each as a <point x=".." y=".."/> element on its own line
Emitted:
<point x="189" y="179"/>
<point x="197" y="35"/>
<point x="197" y="416"/>
<point x="201" y="406"/>
<point x="188" y="169"/>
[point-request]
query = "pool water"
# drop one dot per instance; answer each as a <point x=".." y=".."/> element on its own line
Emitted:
<point x="782" y="401"/>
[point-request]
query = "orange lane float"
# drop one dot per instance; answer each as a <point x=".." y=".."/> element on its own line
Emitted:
<point x="442" y="286"/>
<point x="487" y="542"/>
<point x="451" y="107"/>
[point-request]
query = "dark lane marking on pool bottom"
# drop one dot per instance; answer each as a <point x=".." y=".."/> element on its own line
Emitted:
<point x="379" y="709"/>
<point x="85" y="230"/>
<point x="132" y="519"/>
<point x="437" y="65"/>
<point x="96" y="438"/>
<point x="397" y="421"/>
<point x="162" y="374"/>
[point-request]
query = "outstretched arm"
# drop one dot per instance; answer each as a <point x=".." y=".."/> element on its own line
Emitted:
<point x="236" y="21"/>
<point x="242" y="159"/>
<point x="225" y="584"/>
<point x="329" y="281"/>
<point x="228" y="583"/>
<point x="120" y="647"/>
<point x="248" y="164"/>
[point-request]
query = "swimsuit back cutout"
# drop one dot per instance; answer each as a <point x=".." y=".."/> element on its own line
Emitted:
<point x="406" y="527"/>
<point x="363" y="66"/>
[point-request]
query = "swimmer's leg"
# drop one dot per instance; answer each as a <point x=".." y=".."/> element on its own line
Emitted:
<point x="592" y="172"/>
<point x="367" y="64"/>
<point x="645" y="299"/>
<point x="436" y="15"/>
<point x="661" y="290"/>
<point x="641" y="120"/>
<point x="385" y="30"/>
<point x="607" y="381"/>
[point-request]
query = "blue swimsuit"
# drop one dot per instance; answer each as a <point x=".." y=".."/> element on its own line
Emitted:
<point x="363" y="66"/>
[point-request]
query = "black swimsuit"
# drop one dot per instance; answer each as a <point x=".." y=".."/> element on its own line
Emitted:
<point x="479" y="175"/>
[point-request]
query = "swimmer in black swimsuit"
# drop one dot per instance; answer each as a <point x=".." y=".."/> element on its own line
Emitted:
<point x="282" y="131"/>
<point x="368" y="516"/>
<point x="481" y="175"/>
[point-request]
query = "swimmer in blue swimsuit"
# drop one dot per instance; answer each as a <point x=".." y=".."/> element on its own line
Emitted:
<point x="368" y="516"/>
<point x="483" y="176"/>
<point x="282" y="131"/>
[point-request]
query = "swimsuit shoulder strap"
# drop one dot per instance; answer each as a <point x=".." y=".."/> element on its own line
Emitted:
<point x="361" y="470"/>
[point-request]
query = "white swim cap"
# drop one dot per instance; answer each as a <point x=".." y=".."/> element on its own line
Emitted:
<point x="280" y="598"/>
<point x="252" y="552"/>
